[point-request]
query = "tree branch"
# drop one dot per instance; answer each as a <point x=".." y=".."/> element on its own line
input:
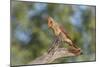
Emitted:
<point x="49" y="57"/>
<point x="55" y="52"/>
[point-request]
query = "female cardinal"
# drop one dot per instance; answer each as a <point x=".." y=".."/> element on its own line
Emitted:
<point x="59" y="31"/>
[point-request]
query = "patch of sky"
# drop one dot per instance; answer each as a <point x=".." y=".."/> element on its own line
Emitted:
<point x="76" y="18"/>
<point x="37" y="9"/>
<point x="22" y="36"/>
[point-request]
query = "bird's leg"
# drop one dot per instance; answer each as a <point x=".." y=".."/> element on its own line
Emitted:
<point x="55" y="47"/>
<point x="54" y="43"/>
<point x="58" y="43"/>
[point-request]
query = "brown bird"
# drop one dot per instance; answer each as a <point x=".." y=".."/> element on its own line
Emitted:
<point x="59" y="31"/>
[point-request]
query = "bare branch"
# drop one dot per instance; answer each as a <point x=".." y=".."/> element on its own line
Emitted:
<point x="55" y="52"/>
<point x="49" y="57"/>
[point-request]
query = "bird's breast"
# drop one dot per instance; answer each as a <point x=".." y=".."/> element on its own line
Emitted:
<point x="65" y="38"/>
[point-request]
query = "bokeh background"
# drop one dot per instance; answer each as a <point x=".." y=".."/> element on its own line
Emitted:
<point x="31" y="37"/>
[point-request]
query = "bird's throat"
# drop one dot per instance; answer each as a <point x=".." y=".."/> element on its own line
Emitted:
<point x="56" y="30"/>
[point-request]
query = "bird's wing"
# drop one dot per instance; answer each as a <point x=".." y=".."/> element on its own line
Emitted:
<point x="65" y="32"/>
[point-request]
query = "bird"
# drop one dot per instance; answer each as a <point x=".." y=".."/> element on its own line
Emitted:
<point x="64" y="36"/>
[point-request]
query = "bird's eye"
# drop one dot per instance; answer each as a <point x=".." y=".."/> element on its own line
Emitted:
<point x="50" y="22"/>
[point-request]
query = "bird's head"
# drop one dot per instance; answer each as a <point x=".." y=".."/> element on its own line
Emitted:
<point x="50" y="22"/>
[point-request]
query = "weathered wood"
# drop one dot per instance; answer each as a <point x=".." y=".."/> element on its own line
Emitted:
<point x="50" y="57"/>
